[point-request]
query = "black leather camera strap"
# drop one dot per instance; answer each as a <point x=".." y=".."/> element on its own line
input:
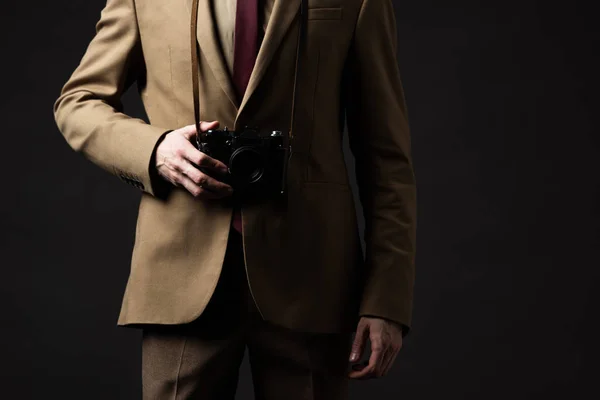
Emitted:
<point x="195" y="49"/>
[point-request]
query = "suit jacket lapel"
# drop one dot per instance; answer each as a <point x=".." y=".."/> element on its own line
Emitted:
<point x="280" y="20"/>
<point x="209" y="46"/>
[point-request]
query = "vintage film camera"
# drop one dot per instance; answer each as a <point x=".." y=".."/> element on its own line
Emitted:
<point x="257" y="162"/>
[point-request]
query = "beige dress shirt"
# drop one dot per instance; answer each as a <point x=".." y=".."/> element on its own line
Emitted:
<point x="224" y="16"/>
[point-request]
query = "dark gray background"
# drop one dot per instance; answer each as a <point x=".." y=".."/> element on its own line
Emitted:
<point x="503" y="106"/>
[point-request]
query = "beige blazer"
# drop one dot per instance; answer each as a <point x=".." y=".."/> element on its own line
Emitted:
<point x="304" y="261"/>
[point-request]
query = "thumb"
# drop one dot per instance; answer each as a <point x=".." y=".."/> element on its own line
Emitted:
<point x="359" y="342"/>
<point x="189" y="131"/>
<point x="204" y="125"/>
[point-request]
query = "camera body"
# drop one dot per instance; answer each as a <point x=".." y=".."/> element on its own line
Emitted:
<point x="256" y="163"/>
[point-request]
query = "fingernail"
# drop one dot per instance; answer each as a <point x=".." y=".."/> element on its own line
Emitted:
<point x="353" y="357"/>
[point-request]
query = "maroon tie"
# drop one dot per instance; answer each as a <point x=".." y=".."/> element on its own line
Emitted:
<point x="244" y="57"/>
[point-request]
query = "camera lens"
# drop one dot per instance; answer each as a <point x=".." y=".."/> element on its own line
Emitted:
<point x="247" y="165"/>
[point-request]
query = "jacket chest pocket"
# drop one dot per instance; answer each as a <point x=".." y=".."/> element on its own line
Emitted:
<point x="316" y="4"/>
<point x="324" y="10"/>
<point x="325" y="22"/>
<point x="325" y="14"/>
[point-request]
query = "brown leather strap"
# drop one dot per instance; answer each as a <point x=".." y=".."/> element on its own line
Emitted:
<point x="195" y="48"/>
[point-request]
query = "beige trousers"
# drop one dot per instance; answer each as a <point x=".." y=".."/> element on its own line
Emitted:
<point x="201" y="360"/>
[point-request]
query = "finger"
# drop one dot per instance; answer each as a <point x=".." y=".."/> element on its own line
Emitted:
<point x="213" y="185"/>
<point x="189" y="131"/>
<point x="369" y="370"/>
<point x="207" y="125"/>
<point x="174" y="174"/>
<point x="193" y="188"/>
<point x="178" y="179"/>
<point x="182" y="168"/>
<point x="195" y="156"/>
<point x="358" y="345"/>
<point x="201" y="179"/>
<point x="374" y="362"/>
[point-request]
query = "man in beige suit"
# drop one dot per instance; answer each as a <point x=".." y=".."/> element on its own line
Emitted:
<point x="289" y="282"/>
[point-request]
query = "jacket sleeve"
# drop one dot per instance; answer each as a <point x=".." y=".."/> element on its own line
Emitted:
<point x="89" y="110"/>
<point x="379" y="139"/>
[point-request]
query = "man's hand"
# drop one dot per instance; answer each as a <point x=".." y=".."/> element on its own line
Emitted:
<point x="386" y="341"/>
<point x="177" y="161"/>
